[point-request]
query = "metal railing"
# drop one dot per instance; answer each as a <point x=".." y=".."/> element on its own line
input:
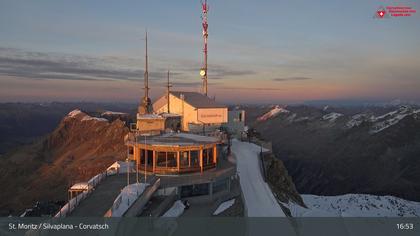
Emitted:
<point x="117" y="203"/>
<point x="198" y="178"/>
<point x="75" y="201"/>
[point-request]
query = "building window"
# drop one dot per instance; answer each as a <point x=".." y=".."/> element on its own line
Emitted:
<point x="207" y="156"/>
<point x="172" y="159"/>
<point x="130" y="150"/>
<point x="142" y="156"/>
<point x="161" y="159"/>
<point x="195" y="158"/>
<point x="184" y="159"/>
<point x="149" y="157"/>
<point x="210" y="156"/>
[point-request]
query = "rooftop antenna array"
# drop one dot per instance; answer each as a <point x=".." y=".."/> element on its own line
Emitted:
<point x="203" y="71"/>
<point x="146" y="103"/>
<point x="146" y="73"/>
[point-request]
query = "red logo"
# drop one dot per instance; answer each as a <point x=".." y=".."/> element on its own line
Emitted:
<point x="394" y="11"/>
<point x="381" y="13"/>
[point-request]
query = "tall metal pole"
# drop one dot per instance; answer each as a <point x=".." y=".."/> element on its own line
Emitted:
<point x="146" y="104"/>
<point x="137" y="159"/>
<point x="128" y="172"/>
<point x="146" y="74"/>
<point x="145" y="160"/>
<point x="203" y="73"/>
<point x="168" y="92"/>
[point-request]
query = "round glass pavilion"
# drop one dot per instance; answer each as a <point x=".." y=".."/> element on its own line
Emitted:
<point x="174" y="153"/>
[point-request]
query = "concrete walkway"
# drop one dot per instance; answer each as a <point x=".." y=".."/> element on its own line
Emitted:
<point x="259" y="200"/>
<point x="102" y="198"/>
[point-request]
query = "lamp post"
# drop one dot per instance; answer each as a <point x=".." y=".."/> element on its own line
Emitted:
<point x="204" y="126"/>
<point x="128" y="172"/>
<point x="137" y="159"/>
<point x="145" y="160"/>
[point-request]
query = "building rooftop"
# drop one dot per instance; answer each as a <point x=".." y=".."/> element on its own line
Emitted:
<point x="157" y="116"/>
<point x="149" y="116"/>
<point x="197" y="100"/>
<point x="80" y="186"/>
<point x="166" y="115"/>
<point x="177" y="139"/>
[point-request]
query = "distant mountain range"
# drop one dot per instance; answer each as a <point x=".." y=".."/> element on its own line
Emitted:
<point x="338" y="150"/>
<point x="327" y="150"/>
<point x="360" y="103"/>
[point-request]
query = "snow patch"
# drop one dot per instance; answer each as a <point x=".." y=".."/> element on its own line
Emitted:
<point x="292" y="117"/>
<point x="176" y="210"/>
<point x="391" y="118"/>
<point x="358" y="119"/>
<point x="86" y="118"/>
<point x="384" y="115"/>
<point x="382" y="122"/>
<point x="224" y="206"/>
<point x="126" y="198"/>
<point x="77" y="113"/>
<point x="74" y="113"/>
<point x="272" y="113"/>
<point x="259" y="200"/>
<point x="113" y="113"/>
<point x="355" y="205"/>
<point x="379" y="126"/>
<point x="331" y="117"/>
<point x="303" y="118"/>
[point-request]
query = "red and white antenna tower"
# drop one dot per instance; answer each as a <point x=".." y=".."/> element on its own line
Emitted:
<point x="203" y="71"/>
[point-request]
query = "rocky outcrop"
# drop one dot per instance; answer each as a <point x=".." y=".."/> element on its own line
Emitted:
<point x="279" y="180"/>
<point x="80" y="147"/>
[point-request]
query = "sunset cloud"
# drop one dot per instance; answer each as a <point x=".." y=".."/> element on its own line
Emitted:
<point x="291" y="79"/>
<point x="301" y="54"/>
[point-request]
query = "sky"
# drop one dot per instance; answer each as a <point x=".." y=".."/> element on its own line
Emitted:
<point x="264" y="51"/>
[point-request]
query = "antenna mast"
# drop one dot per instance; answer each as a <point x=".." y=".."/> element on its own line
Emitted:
<point x="203" y="71"/>
<point x="146" y="74"/>
<point x="168" y="86"/>
<point x="146" y="104"/>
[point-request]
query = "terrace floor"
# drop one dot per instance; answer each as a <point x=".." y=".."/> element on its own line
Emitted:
<point x="102" y="198"/>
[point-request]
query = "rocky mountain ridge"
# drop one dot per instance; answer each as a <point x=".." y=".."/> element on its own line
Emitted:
<point x="80" y="147"/>
<point x="340" y="150"/>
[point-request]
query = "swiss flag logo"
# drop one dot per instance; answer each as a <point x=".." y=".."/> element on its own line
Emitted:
<point x="381" y="13"/>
